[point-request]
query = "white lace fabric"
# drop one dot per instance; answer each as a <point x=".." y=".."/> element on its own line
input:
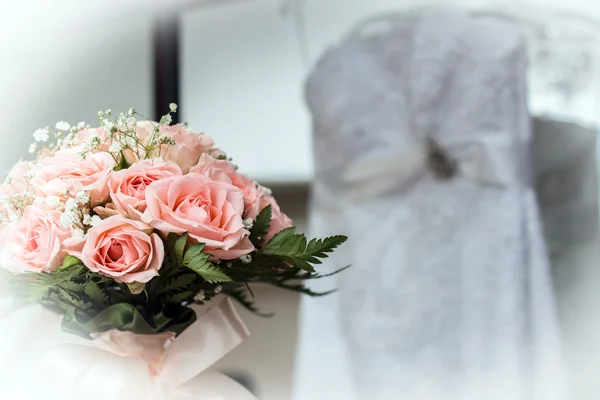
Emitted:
<point x="449" y="276"/>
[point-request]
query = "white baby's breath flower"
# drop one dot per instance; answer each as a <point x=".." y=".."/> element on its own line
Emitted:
<point x="115" y="148"/>
<point x="94" y="141"/>
<point x="109" y="124"/>
<point x="130" y="141"/>
<point x="166" y="119"/>
<point x="29" y="175"/>
<point x="4" y="200"/>
<point x="62" y="126"/>
<point x="131" y="122"/>
<point x="173" y="107"/>
<point x="164" y="138"/>
<point x="246" y="259"/>
<point x="66" y="219"/>
<point x="131" y="111"/>
<point x="87" y="219"/>
<point x="100" y="115"/>
<point x="82" y="197"/>
<point x="41" y="135"/>
<point x="81" y="125"/>
<point x="248" y="223"/>
<point x="52" y="201"/>
<point x="33" y="147"/>
<point x="71" y="206"/>
<point x="77" y="233"/>
<point x="218" y="289"/>
<point x="95" y="220"/>
<point x="200" y="296"/>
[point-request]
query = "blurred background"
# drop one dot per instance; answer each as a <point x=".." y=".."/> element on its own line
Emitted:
<point x="237" y="70"/>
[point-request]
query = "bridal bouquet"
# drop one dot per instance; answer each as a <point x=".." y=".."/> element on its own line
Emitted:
<point x="124" y="228"/>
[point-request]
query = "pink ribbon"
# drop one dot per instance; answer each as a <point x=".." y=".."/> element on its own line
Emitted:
<point x="125" y="365"/>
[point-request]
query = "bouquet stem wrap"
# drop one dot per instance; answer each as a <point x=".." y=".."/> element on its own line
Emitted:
<point x="125" y="365"/>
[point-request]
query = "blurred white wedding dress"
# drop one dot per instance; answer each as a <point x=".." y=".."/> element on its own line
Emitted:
<point x="421" y="144"/>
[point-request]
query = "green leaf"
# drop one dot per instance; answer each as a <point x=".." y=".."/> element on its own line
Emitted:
<point x="179" y="297"/>
<point x="71" y="261"/>
<point x="210" y="272"/>
<point x="179" y="248"/>
<point x="179" y="282"/>
<point x="261" y="226"/>
<point x="292" y="248"/>
<point x="95" y="293"/>
<point x="240" y="295"/>
<point x="194" y="255"/>
<point x="279" y="240"/>
<point x="300" y="288"/>
<point x="72" y="286"/>
<point x="198" y="262"/>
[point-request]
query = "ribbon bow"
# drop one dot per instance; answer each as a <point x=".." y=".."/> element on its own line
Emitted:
<point x="487" y="158"/>
<point x="124" y="365"/>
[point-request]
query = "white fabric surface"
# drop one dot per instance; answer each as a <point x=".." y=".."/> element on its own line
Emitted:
<point x="449" y="296"/>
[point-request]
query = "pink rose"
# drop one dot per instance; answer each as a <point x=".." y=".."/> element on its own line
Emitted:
<point x="67" y="171"/>
<point x="188" y="147"/>
<point x="85" y="136"/>
<point x="37" y="242"/>
<point x="224" y="170"/>
<point x="128" y="186"/>
<point x="279" y="220"/>
<point x="124" y="250"/>
<point x="186" y="151"/>
<point x="209" y="211"/>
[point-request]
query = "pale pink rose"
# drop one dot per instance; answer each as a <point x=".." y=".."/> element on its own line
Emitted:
<point x="35" y="243"/>
<point x="279" y="220"/>
<point x="143" y="131"/>
<point x="188" y="147"/>
<point x="124" y="250"/>
<point x="128" y="186"/>
<point x="186" y="151"/>
<point x="209" y="211"/>
<point x="85" y="136"/>
<point x="215" y="169"/>
<point x="67" y="171"/>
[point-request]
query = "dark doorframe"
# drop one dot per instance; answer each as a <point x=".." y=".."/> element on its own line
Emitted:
<point x="166" y="65"/>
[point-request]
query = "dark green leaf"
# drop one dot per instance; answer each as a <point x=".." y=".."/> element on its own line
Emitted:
<point x="179" y="297"/>
<point x="95" y="293"/>
<point x="261" y="226"/>
<point x="180" y="248"/>
<point x="240" y="295"/>
<point x="210" y="272"/>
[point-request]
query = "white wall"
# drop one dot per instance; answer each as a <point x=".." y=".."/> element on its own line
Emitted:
<point x="243" y="73"/>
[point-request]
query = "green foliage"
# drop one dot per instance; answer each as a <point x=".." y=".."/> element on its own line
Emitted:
<point x="241" y="295"/>
<point x="261" y="226"/>
<point x="91" y="302"/>
<point x="291" y="247"/>
<point x="198" y="262"/>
